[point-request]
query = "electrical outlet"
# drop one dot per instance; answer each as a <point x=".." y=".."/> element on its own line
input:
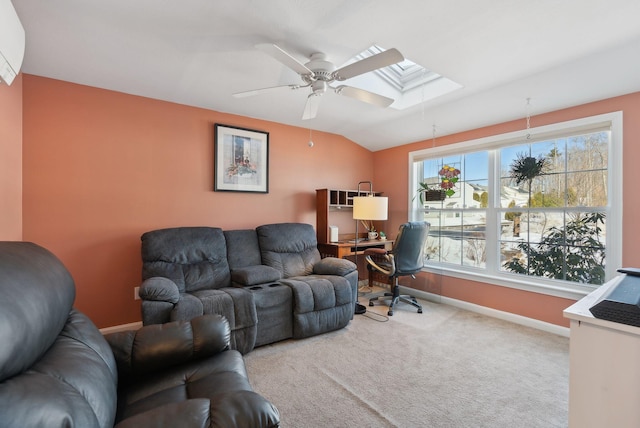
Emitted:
<point x="136" y="293"/>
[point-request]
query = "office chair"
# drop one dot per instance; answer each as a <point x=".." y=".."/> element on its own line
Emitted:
<point x="405" y="258"/>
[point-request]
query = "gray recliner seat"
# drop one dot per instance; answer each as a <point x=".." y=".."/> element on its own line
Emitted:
<point x="324" y="290"/>
<point x="186" y="274"/>
<point x="273" y="300"/>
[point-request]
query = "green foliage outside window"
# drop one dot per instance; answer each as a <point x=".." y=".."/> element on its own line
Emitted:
<point x="574" y="253"/>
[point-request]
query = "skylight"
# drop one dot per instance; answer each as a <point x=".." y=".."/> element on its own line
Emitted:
<point x="406" y="82"/>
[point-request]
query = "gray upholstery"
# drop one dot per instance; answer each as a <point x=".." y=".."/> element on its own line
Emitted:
<point x="242" y="248"/>
<point x="281" y="288"/>
<point x="321" y="302"/>
<point x="291" y="248"/>
<point x="57" y="370"/>
<point x="245" y="260"/>
<point x="194" y="258"/>
<point x="191" y="262"/>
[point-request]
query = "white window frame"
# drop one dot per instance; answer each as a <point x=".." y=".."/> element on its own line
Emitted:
<point x="492" y="274"/>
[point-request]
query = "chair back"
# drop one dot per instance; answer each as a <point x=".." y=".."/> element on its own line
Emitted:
<point x="194" y="258"/>
<point x="408" y="248"/>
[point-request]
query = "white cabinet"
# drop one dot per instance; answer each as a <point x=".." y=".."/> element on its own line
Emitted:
<point x="604" y="368"/>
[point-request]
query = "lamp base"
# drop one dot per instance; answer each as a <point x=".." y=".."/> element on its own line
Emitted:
<point x="360" y="309"/>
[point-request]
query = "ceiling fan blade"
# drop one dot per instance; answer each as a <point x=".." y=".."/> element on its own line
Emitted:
<point x="311" y="107"/>
<point x="283" y="57"/>
<point x="253" y="92"/>
<point x="383" y="59"/>
<point x="366" y="96"/>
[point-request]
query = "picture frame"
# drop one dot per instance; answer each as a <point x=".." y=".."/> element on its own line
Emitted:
<point x="241" y="159"/>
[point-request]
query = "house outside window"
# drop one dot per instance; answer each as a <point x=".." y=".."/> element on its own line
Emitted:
<point x="538" y="209"/>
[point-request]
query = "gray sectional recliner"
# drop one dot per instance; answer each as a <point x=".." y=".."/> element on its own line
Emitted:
<point x="269" y="282"/>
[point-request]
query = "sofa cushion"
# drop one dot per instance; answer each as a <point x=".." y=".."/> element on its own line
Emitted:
<point x="194" y="258"/>
<point x="291" y="248"/>
<point x="242" y="248"/>
<point x="254" y="275"/>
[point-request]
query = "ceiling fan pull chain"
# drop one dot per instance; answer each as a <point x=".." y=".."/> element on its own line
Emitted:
<point x="528" y="118"/>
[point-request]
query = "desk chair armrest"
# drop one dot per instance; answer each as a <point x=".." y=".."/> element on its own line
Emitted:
<point x="375" y="251"/>
<point x="389" y="267"/>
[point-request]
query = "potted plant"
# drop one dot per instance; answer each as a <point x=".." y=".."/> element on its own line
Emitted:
<point x="448" y="177"/>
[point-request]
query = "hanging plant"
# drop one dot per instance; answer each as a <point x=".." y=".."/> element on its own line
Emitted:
<point x="448" y="177"/>
<point x="427" y="192"/>
<point x="525" y="168"/>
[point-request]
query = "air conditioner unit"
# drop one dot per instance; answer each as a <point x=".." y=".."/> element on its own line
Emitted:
<point x="11" y="42"/>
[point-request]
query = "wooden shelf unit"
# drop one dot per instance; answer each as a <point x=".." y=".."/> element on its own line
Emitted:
<point x="328" y="200"/>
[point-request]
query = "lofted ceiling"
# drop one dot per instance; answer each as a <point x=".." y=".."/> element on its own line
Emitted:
<point x="557" y="53"/>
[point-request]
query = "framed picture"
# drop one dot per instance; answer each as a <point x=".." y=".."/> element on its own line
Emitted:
<point x="241" y="160"/>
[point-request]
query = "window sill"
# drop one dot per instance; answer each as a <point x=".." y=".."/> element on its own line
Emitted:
<point x="557" y="290"/>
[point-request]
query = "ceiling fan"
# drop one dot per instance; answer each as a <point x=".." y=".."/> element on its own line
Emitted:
<point x="318" y="73"/>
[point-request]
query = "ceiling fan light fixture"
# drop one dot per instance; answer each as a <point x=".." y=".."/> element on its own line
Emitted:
<point x="319" y="73"/>
<point x="319" y="87"/>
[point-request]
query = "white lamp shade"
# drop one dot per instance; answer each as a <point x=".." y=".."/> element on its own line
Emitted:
<point x="370" y="207"/>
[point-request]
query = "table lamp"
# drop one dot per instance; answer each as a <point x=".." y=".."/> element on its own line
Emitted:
<point x="369" y="207"/>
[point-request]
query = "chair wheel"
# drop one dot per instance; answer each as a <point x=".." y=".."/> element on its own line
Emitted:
<point x="390" y="313"/>
<point x="370" y="303"/>
<point x="419" y="311"/>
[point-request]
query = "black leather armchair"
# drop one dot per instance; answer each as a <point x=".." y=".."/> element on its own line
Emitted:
<point x="405" y="258"/>
<point x="57" y="370"/>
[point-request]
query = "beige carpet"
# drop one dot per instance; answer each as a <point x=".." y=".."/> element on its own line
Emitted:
<point x="444" y="368"/>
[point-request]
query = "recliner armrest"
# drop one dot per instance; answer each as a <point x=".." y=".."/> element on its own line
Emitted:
<point x="230" y="409"/>
<point x="334" y="266"/>
<point x="159" y="289"/>
<point x="158" y="346"/>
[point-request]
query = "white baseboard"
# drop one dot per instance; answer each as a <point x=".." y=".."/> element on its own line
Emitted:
<point x="507" y="316"/>
<point x="122" y="327"/>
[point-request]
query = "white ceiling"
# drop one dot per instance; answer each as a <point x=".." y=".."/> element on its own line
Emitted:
<point x="558" y="53"/>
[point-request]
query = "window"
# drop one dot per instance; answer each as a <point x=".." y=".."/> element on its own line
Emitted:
<point x="408" y="83"/>
<point x="531" y="209"/>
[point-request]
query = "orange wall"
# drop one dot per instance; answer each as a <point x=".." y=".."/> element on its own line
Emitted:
<point x="392" y="176"/>
<point x="102" y="167"/>
<point x="11" y="161"/>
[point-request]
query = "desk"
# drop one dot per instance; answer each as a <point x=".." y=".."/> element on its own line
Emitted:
<point x="342" y="249"/>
